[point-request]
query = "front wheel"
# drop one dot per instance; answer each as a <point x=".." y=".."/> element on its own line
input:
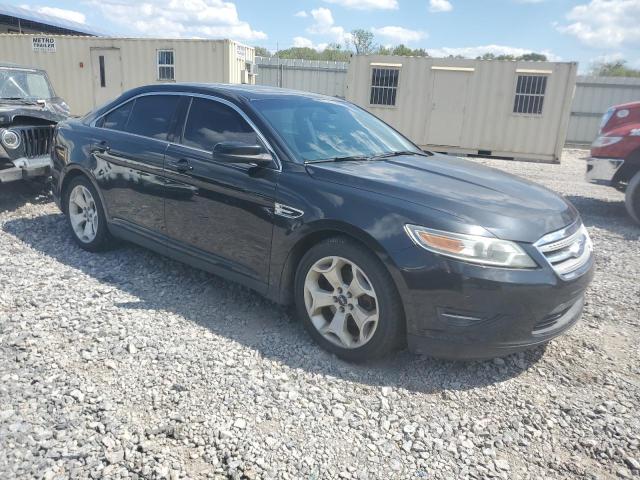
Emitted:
<point x="348" y="301"/>
<point x="632" y="198"/>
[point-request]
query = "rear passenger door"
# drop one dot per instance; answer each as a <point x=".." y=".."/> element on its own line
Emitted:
<point x="129" y="148"/>
<point x="219" y="212"/>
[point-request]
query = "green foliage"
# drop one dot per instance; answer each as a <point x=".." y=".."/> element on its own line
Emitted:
<point x="362" y="41"/>
<point x="401" y="50"/>
<point x="333" y="52"/>
<point x="262" y="52"/>
<point x="532" y="57"/>
<point x="614" y="69"/>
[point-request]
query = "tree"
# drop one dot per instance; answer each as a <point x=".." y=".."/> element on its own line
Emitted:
<point x="336" y="53"/>
<point x="614" y="69"/>
<point x="533" y="57"/>
<point x="402" y="50"/>
<point x="262" y="52"/>
<point x="362" y="41"/>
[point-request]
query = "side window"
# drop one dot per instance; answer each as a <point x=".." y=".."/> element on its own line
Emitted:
<point x="152" y="115"/>
<point x="210" y="122"/>
<point x="117" y="119"/>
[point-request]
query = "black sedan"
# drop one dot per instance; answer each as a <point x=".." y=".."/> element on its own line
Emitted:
<point x="313" y="201"/>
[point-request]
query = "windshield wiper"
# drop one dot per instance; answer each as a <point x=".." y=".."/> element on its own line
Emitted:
<point x="399" y="153"/>
<point x="347" y="158"/>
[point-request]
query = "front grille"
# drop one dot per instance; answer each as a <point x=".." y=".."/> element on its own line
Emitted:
<point x="36" y="140"/>
<point x="567" y="250"/>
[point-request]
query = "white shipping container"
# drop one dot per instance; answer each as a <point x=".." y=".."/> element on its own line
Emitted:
<point x="478" y="107"/>
<point x="90" y="71"/>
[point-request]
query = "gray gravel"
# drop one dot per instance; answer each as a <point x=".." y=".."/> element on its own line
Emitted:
<point x="129" y="365"/>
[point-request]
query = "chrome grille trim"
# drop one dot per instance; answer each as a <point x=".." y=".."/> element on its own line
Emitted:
<point x="566" y="250"/>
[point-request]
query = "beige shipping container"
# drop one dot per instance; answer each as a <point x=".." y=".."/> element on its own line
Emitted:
<point x="475" y="107"/>
<point x="90" y="71"/>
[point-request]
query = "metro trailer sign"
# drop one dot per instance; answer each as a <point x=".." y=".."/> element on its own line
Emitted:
<point x="44" y="44"/>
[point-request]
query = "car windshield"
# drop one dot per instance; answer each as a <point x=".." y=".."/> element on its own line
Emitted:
<point x="318" y="129"/>
<point x="20" y="84"/>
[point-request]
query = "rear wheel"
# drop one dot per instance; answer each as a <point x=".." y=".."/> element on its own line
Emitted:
<point x="85" y="215"/>
<point x="348" y="301"/>
<point x="632" y="198"/>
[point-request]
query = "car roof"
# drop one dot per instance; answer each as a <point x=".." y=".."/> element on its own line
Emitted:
<point x="229" y="91"/>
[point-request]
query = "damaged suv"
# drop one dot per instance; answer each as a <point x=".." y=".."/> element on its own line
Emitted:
<point x="29" y="111"/>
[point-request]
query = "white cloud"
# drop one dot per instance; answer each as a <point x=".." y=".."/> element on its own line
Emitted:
<point x="323" y="24"/>
<point x="301" y="14"/>
<point x="608" y="57"/>
<point x="440" y="6"/>
<point x="303" y="42"/>
<point x="400" y="34"/>
<point x="175" y="18"/>
<point x="70" y="15"/>
<point x="473" y="52"/>
<point x="604" y="23"/>
<point x="367" y="4"/>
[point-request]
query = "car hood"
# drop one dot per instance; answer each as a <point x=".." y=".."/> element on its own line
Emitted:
<point x="507" y="206"/>
<point x="49" y="111"/>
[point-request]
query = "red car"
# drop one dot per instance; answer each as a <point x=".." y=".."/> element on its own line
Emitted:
<point x="615" y="154"/>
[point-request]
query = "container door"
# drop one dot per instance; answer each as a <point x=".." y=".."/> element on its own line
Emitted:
<point x="106" y="68"/>
<point x="449" y="95"/>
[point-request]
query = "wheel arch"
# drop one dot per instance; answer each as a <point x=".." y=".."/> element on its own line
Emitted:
<point x="318" y="232"/>
<point x="72" y="172"/>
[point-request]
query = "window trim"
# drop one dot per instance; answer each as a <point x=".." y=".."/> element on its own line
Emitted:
<point x="276" y="159"/>
<point x="543" y="96"/>
<point x="383" y="66"/>
<point x="172" y="65"/>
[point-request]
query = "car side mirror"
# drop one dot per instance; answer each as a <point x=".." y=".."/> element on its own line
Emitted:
<point x="239" y="152"/>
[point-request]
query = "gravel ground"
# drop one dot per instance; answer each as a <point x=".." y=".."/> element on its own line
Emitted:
<point x="129" y="365"/>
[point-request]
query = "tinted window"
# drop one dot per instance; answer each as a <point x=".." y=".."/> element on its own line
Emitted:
<point x="117" y="119"/>
<point x="151" y="116"/>
<point x="210" y="122"/>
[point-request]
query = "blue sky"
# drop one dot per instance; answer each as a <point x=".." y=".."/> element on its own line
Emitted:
<point x="569" y="30"/>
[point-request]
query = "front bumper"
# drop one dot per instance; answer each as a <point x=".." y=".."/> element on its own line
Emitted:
<point x="26" y="168"/>
<point x="457" y="310"/>
<point x="602" y="170"/>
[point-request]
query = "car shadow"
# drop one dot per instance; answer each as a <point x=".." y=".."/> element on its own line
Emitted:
<point x="227" y="309"/>
<point x="608" y="215"/>
<point x="17" y="194"/>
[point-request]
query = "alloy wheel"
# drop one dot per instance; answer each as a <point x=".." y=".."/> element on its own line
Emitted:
<point x="341" y="302"/>
<point x="83" y="214"/>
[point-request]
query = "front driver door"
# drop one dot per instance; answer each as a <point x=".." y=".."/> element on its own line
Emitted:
<point x="219" y="212"/>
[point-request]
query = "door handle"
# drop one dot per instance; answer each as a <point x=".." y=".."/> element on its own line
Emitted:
<point x="183" y="165"/>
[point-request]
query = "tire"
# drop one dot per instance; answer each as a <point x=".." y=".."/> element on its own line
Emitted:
<point x="381" y="314"/>
<point x="97" y="237"/>
<point x="632" y="198"/>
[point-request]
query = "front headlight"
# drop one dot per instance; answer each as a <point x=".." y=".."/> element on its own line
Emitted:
<point x="10" y="139"/>
<point x="605" y="141"/>
<point x="471" y="248"/>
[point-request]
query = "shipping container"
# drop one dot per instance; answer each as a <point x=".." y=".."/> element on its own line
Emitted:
<point x="594" y="96"/>
<point x="317" y="76"/>
<point x="90" y="71"/>
<point x="511" y="109"/>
